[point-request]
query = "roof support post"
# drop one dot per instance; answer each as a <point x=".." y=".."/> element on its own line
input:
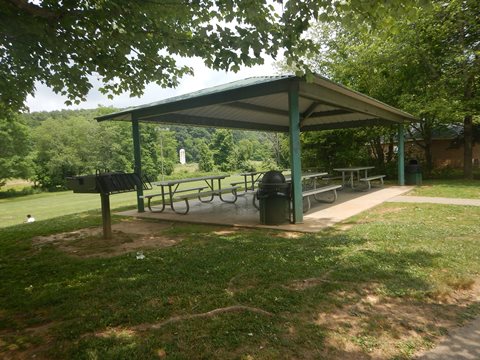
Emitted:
<point x="401" y="155"/>
<point x="295" y="153"/>
<point x="137" y="158"/>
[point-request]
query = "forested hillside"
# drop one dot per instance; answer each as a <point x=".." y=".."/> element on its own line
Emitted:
<point x="49" y="146"/>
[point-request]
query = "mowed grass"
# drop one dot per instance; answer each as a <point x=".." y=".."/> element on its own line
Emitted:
<point x="466" y="189"/>
<point x="383" y="284"/>
<point x="46" y="206"/>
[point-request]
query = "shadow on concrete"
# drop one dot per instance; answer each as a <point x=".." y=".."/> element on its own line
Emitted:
<point x="243" y="213"/>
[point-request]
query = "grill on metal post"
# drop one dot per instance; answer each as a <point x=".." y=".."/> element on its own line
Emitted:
<point x="106" y="184"/>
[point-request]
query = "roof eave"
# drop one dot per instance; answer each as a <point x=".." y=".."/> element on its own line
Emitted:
<point x="231" y="95"/>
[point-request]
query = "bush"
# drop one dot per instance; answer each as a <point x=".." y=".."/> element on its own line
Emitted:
<point x="446" y="172"/>
<point x="10" y="193"/>
<point x="247" y="166"/>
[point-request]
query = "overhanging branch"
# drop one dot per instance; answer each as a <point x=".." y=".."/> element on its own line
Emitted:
<point x="35" y="10"/>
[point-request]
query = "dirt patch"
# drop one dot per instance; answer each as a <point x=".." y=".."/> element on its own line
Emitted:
<point x="121" y="333"/>
<point x="128" y="235"/>
<point x="226" y="232"/>
<point x="308" y="283"/>
<point x="380" y="327"/>
<point x="290" y="235"/>
<point x="379" y="213"/>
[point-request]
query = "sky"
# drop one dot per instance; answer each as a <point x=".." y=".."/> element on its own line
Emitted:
<point x="46" y="100"/>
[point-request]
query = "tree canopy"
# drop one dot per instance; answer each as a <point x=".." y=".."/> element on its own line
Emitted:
<point x="15" y="146"/>
<point x="128" y="44"/>
<point x="426" y="63"/>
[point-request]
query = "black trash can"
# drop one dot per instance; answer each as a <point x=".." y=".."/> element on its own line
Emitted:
<point x="413" y="173"/>
<point x="274" y="199"/>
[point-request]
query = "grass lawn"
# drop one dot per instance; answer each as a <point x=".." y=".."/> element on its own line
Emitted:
<point x="46" y="206"/>
<point x="382" y="285"/>
<point x="466" y="189"/>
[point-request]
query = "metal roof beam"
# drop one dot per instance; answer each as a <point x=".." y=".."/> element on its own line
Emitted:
<point x="257" y="108"/>
<point x="182" y="119"/>
<point x="330" y="113"/>
<point x="349" y="102"/>
<point x="347" y="124"/>
<point x="306" y="114"/>
<point x="226" y="96"/>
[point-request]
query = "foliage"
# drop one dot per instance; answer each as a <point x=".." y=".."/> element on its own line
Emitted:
<point x="224" y="150"/>
<point x="189" y="138"/>
<point x="63" y="149"/>
<point x="13" y="193"/>
<point x="15" y="147"/>
<point x="130" y="44"/>
<point x="73" y="143"/>
<point x="159" y="151"/>
<point x="70" y="142"/>
<point x="276" y="147"/>
<point x="205" y="162"/>
<point x="426" y="63"/>
<point x="328" y="149"/>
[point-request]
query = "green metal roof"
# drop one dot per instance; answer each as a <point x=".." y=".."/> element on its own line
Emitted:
<point x="261" y="103"/>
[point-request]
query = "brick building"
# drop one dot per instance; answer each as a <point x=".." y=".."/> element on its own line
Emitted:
<point x="447" y="148"/>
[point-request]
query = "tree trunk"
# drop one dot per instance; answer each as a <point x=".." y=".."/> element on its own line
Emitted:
<point x="428" y="158"/>
<point x="467" y="147"/>
<point x="391" y="147"/>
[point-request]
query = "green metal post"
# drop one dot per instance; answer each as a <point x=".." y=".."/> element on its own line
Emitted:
<point x="401" y="156"/>
<point x="137" y="167"/>
<point x="295" y="152"/>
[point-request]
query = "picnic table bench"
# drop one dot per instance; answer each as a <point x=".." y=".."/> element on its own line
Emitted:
<point x="330" y="177"/>
<point x="349" y="174"/>
<point x="171" y="193"/>
<point x="369" y="179"/>
<point x="211" y="193"/>
<point x="319" y="190"/>
<point x="149" y="197"/>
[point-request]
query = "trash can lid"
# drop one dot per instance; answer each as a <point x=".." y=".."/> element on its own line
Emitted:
<point x="273" y="177"/>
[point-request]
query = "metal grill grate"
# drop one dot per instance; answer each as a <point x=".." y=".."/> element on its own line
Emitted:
<point x="108" y="183"/>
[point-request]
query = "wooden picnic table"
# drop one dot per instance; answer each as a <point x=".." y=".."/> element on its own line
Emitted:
<point x="352" y="171"/>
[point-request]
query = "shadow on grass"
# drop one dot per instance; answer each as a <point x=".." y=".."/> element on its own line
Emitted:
<point x="211" y="268"/>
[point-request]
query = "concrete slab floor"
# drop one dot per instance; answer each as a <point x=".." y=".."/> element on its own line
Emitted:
<point x="243" y="214"/>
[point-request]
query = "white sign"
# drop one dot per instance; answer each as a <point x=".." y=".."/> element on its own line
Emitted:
<point x="182" y="157"/>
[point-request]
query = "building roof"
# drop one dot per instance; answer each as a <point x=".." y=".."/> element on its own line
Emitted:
<point x="261" y="103"/>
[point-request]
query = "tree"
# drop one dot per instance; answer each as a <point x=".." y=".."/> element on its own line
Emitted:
<point x="128" y="44"/>
<point x="330" y="149"/>
<point x="205" y="162"/>
<point x="15" y="147"/>
<point x="461" y="36"/>
<point x="223" y="150"/>
<point x="72" y="143"/>
<point x="63" y="149"/>
<point x="426" y="63"/>
<point x="161" y="150"/>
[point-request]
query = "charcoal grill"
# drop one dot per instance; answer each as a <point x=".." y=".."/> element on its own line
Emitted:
<point x="106" y="184"/>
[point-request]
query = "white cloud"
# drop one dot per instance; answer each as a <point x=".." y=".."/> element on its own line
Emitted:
<point x="46" y="100"/>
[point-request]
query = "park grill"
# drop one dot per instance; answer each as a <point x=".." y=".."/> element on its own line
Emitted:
<point x="106" y="184"/>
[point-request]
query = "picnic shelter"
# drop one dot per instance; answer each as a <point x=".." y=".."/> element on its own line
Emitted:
<point x="283" y="103"/>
